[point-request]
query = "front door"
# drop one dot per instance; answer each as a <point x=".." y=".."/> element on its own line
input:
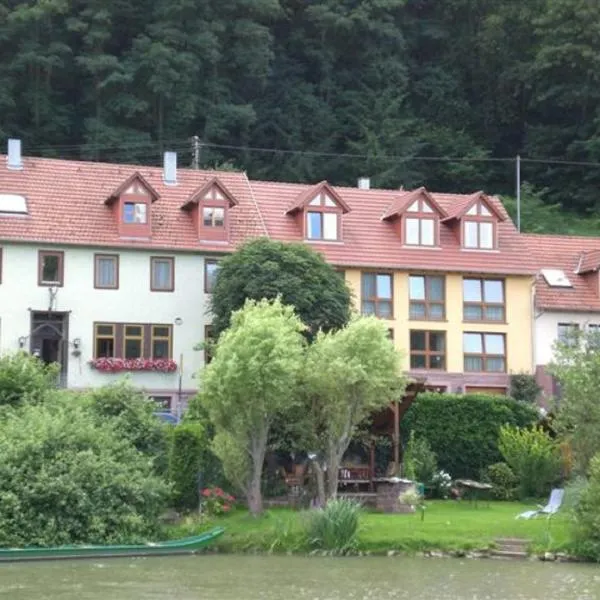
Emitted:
<point x="49" y="339"/>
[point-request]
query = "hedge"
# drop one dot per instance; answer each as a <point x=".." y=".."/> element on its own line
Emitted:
<point x="188" y="445"/>
<point x="463" y="429"/>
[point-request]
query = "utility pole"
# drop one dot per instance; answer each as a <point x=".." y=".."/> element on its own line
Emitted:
<point x="196" y="147"/>
<point x="518" y="166"/>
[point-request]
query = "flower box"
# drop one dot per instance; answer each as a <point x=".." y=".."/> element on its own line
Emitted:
<point x="115" y="365"/>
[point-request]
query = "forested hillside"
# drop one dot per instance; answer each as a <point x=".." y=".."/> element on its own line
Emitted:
<point x="383" y="88"/>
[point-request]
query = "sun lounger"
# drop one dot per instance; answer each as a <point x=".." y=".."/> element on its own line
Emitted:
<point x="554" y="504"/>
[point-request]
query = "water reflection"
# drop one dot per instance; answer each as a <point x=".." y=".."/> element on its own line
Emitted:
<point x="290" y="578"/>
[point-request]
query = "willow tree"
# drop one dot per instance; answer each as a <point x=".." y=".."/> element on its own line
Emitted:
<point x="251" y="380"/>
<point x="349" y="374"/>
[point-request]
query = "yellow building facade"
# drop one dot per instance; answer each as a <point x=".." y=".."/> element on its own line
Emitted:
<point x="452" y="372"/>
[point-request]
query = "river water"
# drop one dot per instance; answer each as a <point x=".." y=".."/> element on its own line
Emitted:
<point x="218" y="577"/>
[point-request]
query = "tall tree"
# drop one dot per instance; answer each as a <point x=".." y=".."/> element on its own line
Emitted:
<point x="251" y="380"/>
<point x="263" y="268"/>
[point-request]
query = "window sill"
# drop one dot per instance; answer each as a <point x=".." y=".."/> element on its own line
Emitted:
<point x="318" y="241"/>
<point x="427" y="320"/>
<point x="484" y="322"/>
<point x="117" y="365"/>
<point x="377" y="316"/>
<point x="488" y="250"/>
<point x="418" y="247"/>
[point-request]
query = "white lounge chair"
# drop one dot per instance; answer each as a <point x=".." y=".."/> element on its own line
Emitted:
<point x="554" y="503"/>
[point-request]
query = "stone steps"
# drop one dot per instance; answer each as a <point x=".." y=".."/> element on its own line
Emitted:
<point x="510" y="548"/>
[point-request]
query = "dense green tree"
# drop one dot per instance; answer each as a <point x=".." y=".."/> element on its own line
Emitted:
<point x="392" y="89"/>
<point x="266" y="269"/>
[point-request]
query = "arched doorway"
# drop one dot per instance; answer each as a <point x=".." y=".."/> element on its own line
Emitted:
<point x="49" y="339"/>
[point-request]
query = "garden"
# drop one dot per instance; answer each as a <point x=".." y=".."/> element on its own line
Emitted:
<point x="294" y="376"/>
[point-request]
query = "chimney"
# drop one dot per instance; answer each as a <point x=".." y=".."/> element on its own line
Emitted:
<point x="14" y="155"/>
<point x="364" y="183"/>
<point x="170" y="168"/>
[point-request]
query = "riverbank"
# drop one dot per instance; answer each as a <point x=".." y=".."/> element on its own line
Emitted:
<point x="449" y="527"/>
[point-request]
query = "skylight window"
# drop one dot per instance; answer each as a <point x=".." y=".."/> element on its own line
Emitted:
<point x="556" y="278"/>
<point x="13" y="204"/>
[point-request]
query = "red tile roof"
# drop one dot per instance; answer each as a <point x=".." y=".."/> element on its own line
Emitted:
<point x="369" y="241"/>
<point x="589" y="261"/>
<point x="566" y="253"/>
<point x="460" y="208"/>
<point x="309" y="192"/>
<point x="66" y="202"/>
<point x="404" y="199"/>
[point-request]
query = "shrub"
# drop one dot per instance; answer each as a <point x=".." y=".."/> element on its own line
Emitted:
<point x="216" y="502"/>
<point x="524" y="388"/>
<point x="132" y="415"/>
<point x="67" y="478"/>
<point x="25" y="378"/>
<point x="463" y="430"/>
<point x="501" y="476"/>
<point x="187" y="447"/>
<point x="334" y="527"/>
<point x="420" y="461"/>
<point x="440" y="486"/>
<point x="533" y="457"/>
<point x="586" y="511"/>
<point x="212" y="469"/>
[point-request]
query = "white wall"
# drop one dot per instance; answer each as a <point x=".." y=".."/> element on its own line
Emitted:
<point x="132" y="302"/>
<point x="546" y="331"/>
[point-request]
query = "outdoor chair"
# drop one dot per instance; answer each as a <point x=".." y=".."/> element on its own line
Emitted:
<point x="554" y="504"/>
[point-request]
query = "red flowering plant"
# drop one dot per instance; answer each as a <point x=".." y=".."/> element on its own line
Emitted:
<point x="216" y="502"/>
<point x="115" y="365"/>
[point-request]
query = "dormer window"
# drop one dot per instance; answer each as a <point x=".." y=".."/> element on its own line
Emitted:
<point x="479" y="235"/>
<point x="479" y="227"/>
<point x="318" y="211"/>
<point x="131" y="203"/>
<point x="420" y="224"/>
<point x="416" y="218"/>
<point x="210" y="206"/>
<point x="135" y="212"/>
<point x="322" y="218"/>
<point x="213" y="216"/>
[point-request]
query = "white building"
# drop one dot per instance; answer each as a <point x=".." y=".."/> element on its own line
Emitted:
<point x="106" y="269"/>
<point x="567" y="296"/>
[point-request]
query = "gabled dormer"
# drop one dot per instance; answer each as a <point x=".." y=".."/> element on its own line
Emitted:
<point x="210" y="207"/>
<point x="132" y="202"/>
<point x="318" y="212"/>
<point x="416" y="216"/>
<point x="478" y="219"/>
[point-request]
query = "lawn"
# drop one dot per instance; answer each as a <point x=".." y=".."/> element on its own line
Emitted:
<point x="448" y="525"/>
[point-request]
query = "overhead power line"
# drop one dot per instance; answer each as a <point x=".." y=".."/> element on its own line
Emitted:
<point x="183" y="145"/>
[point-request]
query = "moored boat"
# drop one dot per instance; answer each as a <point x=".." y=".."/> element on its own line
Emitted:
<point x="189" y="545"/>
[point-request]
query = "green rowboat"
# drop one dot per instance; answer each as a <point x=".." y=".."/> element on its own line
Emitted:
<point x="189" y="545"/>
